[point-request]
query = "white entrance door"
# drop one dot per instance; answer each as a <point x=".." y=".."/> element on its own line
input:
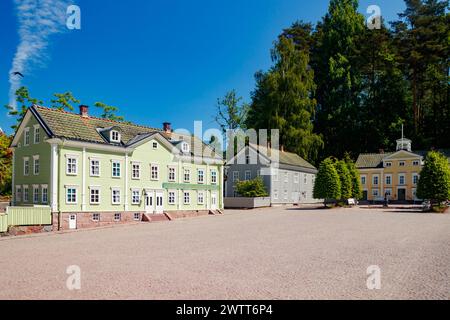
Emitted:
<point x="73" y="221"/>
<point x="149" y="202"/>
<point x="213" y="201"/>
<point x="159" y="202"/>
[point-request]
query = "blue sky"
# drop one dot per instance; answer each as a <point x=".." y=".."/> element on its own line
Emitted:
<point x="161" y="60"/>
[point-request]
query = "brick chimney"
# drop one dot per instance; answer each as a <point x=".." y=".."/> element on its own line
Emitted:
<point x="84" y="111"/>
<point x="167" y="127"/>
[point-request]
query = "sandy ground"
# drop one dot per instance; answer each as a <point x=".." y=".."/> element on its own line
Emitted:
<point x="275" y="253"/>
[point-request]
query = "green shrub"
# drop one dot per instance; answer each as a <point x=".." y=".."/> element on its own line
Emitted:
<point x="345" y="178"/>
<point x="251" y="188"/>
<point x="327" y="185"/>
<point x="434" y="181"/>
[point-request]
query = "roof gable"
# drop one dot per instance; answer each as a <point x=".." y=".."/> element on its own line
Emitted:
<point x="402" y="154"/>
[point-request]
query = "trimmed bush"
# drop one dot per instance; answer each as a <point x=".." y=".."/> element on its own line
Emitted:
<point x="251" y="188"/>
<point x="327" y="185"/>
<point x="434" y="181"/>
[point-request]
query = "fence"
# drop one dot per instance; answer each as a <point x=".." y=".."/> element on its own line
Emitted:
<point x="25" y="216"/>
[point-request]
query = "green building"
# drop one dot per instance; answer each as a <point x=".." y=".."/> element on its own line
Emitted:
<point x="93" y="171"/>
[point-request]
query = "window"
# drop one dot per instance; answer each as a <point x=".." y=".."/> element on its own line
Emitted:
<point x="117" y="217"/>
<point x="235" y="176"/>
<point x="286" y="177"/>
<point x="94" y="196"/>
<point x="363" y="180"/>
<point x="285" y="194"/>
<point x="115" y="136"/>
<point x="25" y="194"/>
<point x="296" y="177"/>
<point x="401" y="163"/>
<point x="201" y="176"/>
<point x="44" y="194"/>
<point x="401" y="179"/>
<point x="305" y="178"/>
<point x="37" y="134"/>
<point x="35" y="194"/>
<point x="213" y="176"/>
<point x="171" y="174"/>
<point x="388" y="179"/>
<point x="388" y="192"/>
<point x="247" y="159"/>
<point x="248" y="175"/>
<point x="186" y="197"/>
<point x="18" y="193"/>
<point x="187" y="175"/>
<point x="416" y="162"/>
<point x="26" y="138"/>
<point x="375" y="192"/>
<point x="71" y="195"/>
<point x="154" y="172"/>
<point x="185" y="147"/>
<point x="275" y="194"/>
<point x="116" y="169"/>
<point x="95" y="168"/>
<point x="137" y="217"/>
<point x="96" y="217"/>
<point x="136" y="170"/>
<point x="388" y="164"/>
<point x="155" y="145"/>
<point x="171" y="197"/>
<point x="200" y="197"/>
<point x="72" y="167"/>
<point x="415" y="178"/>
<point x="36" y="166"/>
<point x="135" y="196"/>
<point x="375" y="180"/>
<point x="115" y="196"/>
<point x="26" y="166"/>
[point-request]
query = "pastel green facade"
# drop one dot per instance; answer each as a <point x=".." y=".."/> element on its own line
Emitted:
<point x="152" y="152"/>
<point x="31" y="151"/>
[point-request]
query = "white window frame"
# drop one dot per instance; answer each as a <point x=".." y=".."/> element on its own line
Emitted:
<point x="235" y="176"/>
<point x="416" y="162"/>
<point x="27" y="193"/>
<point x="154" y="166"/>
<point x="275" y="194"/>
<point x="134" y="170"/>
<point x="18" y="193"/>
<point x="188" y="197"/>
<point x="135" y="200"/>
<point x="37" y="134"/>
<point x="116" y="162"/>
<point x="388" y="164"/>
<point x="377" y="176"/>
<point x="202" y="175"/>
<point x="137" y="216"/>
<point x="402" y="163"/>
<point x="415" y="174"/>
<point x="44" y="200"/>
<point x="286" y="176"/>
<point x="92" y="188"/>
<point x="377" y="192"/>
<point x="26" y="166"/>
<point x="91" y="166"/>
<point x="26" y="137"/>
<point x="247" y="175"/>
<point x="213" y="177"/>
<point x="67" y="194"/>
<point x="112" y="134"/>
<point x="35" y="193"/>
<point x="96" y="217"/>
<point x="36" y="158"/>
<point x="185" y="147"/>
<point x="171" y="197"/>
<point x="363" y="176"/>
<point x="386" y="176"/>
<point x="174" y="173"/>
<point x="296" y="177"/>
<point x="113" y="190"/>
<point x="186" y="172"/>
<point x="285" y="194"/>
<point x="68" y="158"/>
<point x="154" y="145"/>
<point x="117" y="217"/>
<point x="200" y="196"/>
<point x="388" y="190"/>
<point x="401" y="175"/>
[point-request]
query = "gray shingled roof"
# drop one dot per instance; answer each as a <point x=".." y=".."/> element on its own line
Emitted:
<point x="287" y="158"/>
<point x="375" y="160"/>
<point x="72" y="126"/>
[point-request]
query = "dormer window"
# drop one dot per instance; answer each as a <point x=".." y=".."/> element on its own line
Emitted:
<point x="185" y="147"/>
<point x="115" y="136"/>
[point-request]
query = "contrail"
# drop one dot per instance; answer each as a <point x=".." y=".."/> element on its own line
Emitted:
<point x="38" y="19"/>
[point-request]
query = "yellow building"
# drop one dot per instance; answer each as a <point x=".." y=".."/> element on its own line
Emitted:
<point x="391" y="174"/>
